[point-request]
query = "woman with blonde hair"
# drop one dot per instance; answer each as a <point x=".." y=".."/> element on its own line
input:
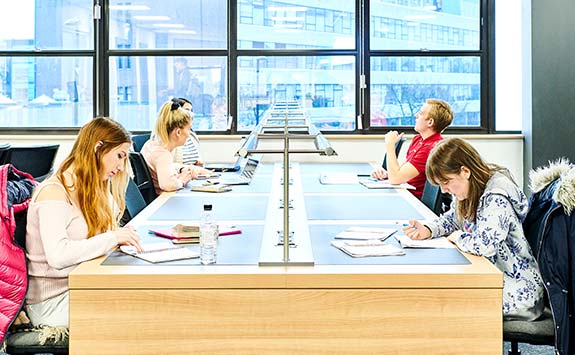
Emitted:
<point x="73" y="217"/>
<point x="172" y="128"/>
<point x="485" y="219"/>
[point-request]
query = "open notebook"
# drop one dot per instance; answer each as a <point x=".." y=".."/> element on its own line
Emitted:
<point x="160" y="252"/>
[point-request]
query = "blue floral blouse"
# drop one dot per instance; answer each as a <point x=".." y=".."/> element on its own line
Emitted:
<point x="497" y="234"/>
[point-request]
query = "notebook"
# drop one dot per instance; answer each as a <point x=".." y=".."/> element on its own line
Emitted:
<point x="160" y="252"/>
<point x="371" y="183"/>
<point x="366" y="233"/>
<point x="338" y="179"/>
<point x="434" y="243"/>
<point x="246" y="175"/>
<point x="364" y="248"/>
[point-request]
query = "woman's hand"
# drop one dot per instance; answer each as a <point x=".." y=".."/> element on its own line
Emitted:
<point x="188" y="173"/>
<point x="416" y="230"/>
<point x="128" y="236"/>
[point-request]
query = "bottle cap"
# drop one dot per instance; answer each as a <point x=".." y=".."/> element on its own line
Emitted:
<point x="207" y="207"/>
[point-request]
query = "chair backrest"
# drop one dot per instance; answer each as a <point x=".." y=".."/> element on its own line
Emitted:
<point x="139" y="140"/>
<point x="135" y="202"/>
<point x="142" y="177"/>
<point x="38" y="161"/>
<point x="398" y="145"/>
<point x="431" y="197"/>
<point x="4" y="153"/>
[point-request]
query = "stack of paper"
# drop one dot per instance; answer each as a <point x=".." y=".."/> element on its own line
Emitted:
<point x="383" y="184"/>
<point x="338" y="179"/>
<point x="366" y="233"/>
<point x="438" y="243"/>
<point x="363" y="248"/>
<point x="160" y="252"/>
<point x="189" y="234"/>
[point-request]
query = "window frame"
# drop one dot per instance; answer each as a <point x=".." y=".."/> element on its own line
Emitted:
<point x="101" y="55"/>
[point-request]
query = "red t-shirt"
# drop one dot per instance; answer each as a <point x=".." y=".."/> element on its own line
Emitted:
<point x="417" y="154"/>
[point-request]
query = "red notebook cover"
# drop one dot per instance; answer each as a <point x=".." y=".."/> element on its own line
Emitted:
<point x="167" y="232"/>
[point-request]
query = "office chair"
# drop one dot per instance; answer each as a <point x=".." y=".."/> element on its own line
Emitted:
<point x="4" y="153"/>
<point x="139" y="140"/>
<point x="398" y="145"/>
<point x="134" y="202"/>
<point x="38" y="161"/>
<point x="142" y="177"/>
<point x="538" y="332"/>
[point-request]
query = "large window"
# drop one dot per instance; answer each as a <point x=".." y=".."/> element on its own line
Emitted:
<point x="354" y="66"/>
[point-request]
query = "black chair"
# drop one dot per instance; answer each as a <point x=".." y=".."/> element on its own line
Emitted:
<point x="434" y="199"/>
<point x="139" y="140"/>
<point x="398" y="145"/>
<point x="142" y="177"/>
<point x="4" y="153"/>
<point x="38" y="161"/>
<point x="538" y="332"/>
<point x="135" y="202"/>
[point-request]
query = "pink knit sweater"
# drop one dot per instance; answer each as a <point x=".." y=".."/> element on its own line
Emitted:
<point x="56" y="242"/>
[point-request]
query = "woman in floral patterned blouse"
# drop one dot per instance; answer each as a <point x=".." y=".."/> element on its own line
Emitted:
<point x="485" y="219"/>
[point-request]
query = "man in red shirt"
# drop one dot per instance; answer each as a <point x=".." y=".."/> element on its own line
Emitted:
<point x="430" y="121"/>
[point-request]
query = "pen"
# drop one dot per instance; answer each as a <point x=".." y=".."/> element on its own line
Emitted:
<point x="409" y="225"/>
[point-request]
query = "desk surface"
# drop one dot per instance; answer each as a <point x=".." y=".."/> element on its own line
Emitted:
<point x="323" y="309"/>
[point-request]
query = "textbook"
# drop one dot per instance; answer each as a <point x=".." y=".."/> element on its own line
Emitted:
<point x="364" y="248"/>
<point x="192" y="235"/>
<point x="211" y="188"/>
<point x="160" y="252"/>
<point x="371" y="183"/>
<point x="366" y="233"/>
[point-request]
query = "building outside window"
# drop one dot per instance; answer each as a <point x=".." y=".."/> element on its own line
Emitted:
<point x="234" y="69"/>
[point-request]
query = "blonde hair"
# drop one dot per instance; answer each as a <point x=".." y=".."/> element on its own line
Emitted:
<point x="170" y="117"/>
<point x="448" y="157"/>
<point x="441" y="113"/>
<point x="95" y="139"/>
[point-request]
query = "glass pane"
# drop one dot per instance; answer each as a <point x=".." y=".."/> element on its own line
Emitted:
<point x="45" y="91"/>
<point x="264" y="24"/>
<point x="400" y="86"/>
<point x="511" y="58"/>
<point x="424" y="24"/>
<point x="28" y="24"/>
<point x="324" y="86"/>
<point x="171" y="24"/>
<point x="140" y="85"/>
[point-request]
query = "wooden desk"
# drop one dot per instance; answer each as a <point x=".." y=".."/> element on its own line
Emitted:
<point x="323" y="309"/>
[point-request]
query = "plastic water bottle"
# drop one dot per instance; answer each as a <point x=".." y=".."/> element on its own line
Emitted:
<point x="208" y="237"/>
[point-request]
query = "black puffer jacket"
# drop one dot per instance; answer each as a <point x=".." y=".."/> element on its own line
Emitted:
<point x="550" y="230"/>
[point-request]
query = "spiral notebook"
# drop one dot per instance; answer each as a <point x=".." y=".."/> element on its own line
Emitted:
<point x="160" y="252"/>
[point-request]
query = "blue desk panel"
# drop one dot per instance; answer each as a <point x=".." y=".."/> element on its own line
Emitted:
<point x="311" y="184"/>
<point x="235" y="249"/>
<point x="226" y="206"/>
<point x="365" y="207"/>
<point x="326" y="254"/>
<point x="319" y="168"/>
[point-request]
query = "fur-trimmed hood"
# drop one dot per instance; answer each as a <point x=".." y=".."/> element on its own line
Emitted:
<point x="565" y="191"/>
